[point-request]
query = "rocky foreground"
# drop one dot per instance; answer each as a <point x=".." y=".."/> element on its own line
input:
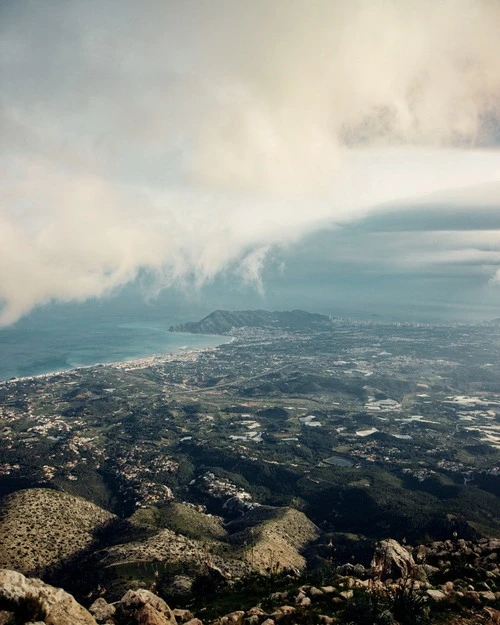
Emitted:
<point x="454" y="582"/>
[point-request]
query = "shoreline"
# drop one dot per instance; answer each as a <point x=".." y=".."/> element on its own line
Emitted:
<point x="140" y="362"/>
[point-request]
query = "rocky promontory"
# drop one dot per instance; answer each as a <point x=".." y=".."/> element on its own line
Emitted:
<point x="223" y="321"/>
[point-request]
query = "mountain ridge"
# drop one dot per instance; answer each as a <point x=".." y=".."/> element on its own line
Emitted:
<point x="223" y="321"/>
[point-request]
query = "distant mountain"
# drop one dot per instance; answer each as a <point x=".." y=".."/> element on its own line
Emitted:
<point x="223" y="321"/>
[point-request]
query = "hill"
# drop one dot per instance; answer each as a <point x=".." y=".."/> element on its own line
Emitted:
<point x="42" y="528"/>
<point x="274" y="538"/>
<point x="180" y="540"/>
<point x="223" y="321"/>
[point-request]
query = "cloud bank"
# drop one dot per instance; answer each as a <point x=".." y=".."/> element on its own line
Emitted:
<point x="186" y="139"/>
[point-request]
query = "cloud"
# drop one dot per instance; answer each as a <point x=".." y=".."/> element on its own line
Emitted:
<point x="186" y="139"/>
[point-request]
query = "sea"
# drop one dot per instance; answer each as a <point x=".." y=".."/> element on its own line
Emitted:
<point x="62" y="337"/>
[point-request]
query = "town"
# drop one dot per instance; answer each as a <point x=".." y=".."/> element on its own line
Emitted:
<point x="350" y="411"/>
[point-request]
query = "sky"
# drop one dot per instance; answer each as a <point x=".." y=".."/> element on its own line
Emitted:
<point x="187" y="143"/>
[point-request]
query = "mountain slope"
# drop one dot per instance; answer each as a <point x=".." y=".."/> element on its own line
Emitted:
<point x="42" y="528"/>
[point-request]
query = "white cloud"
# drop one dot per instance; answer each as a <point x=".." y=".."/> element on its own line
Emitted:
<point x="188" y="138"/>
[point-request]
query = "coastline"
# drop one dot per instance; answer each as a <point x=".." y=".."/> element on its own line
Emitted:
<point x="182" y="353"/>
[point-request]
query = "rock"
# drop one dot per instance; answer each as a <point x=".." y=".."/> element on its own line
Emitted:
<point x="279" y="596"/>
<point x="475" y="596"/>
<point x="358" y="569"/>
<point x="448" y="587"/>
<point x="347" y="594"/>
<point x="256" y="611"/>
<point x="493" y="615"/>
<point x="268" y="621"/>
<point x="487" y="595"/>
<point x="194" y="621"/>
<point x="183" y="616"/>
<point x="327" y="620"/>
<point x="283" y="611"/>
<point x="305" y="602"/>
<point x="53" y="606"/>
<point x="149" y="615"/>
<point x="234" y="618"/>
<point x="101" y="610"/>
<point x="315" y="592"/>
<point x="254" y="619"/>
<point x="362" y="583"/>
<point x="392" y="560"/>
<point x="145" y="608"/>
<point x="436" y="595"/>
<point x="328" y="590"/>
<point x="428" y="570"/>
<point x="181" y="585"/>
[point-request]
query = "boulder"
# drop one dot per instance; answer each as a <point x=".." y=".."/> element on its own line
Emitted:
<point x="102" y="611"/>
<point x="183" y="616"/>
<point x="493" y="615"/>
<point x="315" y="592"/>
<point x="324" y="619"/>
<point x="255" y="611"/>
<point x="392" y="560"/>
<point x="487" y="595"/>
<point x="235" y="618"/>
<point x="181" y="585"/>
<point x="144" y="608"/>
<point x="436" y="595"/>
<point x="50" y="605"/>
<point x="282" y="612"/>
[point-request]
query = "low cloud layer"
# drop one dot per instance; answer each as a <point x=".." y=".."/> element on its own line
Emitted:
<point x="185" y="139"/>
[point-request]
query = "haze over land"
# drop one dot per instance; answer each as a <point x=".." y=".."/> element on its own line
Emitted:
<point x="181" y="144"/>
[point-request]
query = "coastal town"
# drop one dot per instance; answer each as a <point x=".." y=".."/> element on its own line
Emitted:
<point x="346" y="407"/>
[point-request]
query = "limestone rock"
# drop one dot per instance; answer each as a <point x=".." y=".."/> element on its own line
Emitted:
<point x="51" y="605"/>
<point x="493" y="615"/>
<point x="102" y="611"/>
<point x="282" y="612"/>
<point x="315" y="592"/>
<point x="487" y="595"/>
<point x="255" y="611"/>
<point x="149" y="615"/>
<point x="235" y="618"/>
<point x="436" y="595"/>
<point x="146" y="608"/>
<point x="391" y="560"/>
<point x="183" y="616"/>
